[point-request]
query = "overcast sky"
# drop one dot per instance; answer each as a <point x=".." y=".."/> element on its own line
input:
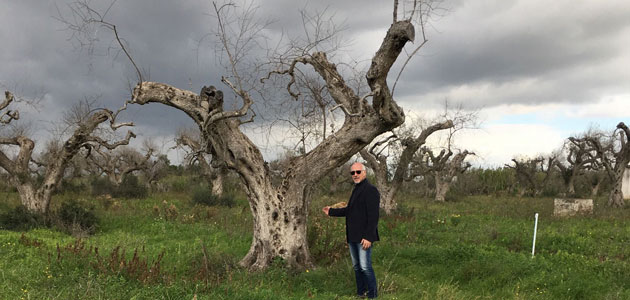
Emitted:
<point x="538" y="71"/>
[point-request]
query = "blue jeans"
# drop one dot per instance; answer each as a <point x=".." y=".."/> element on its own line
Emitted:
<point x="363" y="272"/>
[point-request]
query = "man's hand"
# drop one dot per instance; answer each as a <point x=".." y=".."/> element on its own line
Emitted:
<point x="365" y="244"/>
<point x="326" y="209"/>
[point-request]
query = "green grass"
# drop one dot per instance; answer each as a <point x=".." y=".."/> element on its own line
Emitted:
<point x="472" y="248"/>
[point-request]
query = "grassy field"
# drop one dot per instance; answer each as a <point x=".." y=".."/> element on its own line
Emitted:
<point x="163" y="247"/>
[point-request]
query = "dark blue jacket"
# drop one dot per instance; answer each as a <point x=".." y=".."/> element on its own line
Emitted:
<point x="361" y="213"/>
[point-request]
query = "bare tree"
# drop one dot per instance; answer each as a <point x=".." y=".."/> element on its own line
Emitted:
<point x="405" y="161"/>
<point x="36" y="196"/>
<point x="117" y="163"/>
<point x="280" y="211"/>
<point x="528" y="171"/>
<point x="156" y="169"/>
<point x="213" y="170"/>
<point x="445" y="167"/>
<point x="578" y="160"/>
<point x="388" y="185"/>
<point x="613" y="153"/>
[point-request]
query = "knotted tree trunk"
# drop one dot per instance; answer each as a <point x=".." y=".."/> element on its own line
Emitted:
<point x="36" y="196"/>
<point x="445" y="170"/>
<point x="614" y="156"/>
<point x="280" y="212"/>
<point x="616" y="194"/>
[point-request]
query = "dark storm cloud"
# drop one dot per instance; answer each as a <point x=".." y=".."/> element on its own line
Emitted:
<point x="573" y="51"/>
<point x="162" y="37"/>
<point x="484" y="53"/>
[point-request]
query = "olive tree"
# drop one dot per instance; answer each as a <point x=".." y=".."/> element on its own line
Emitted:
<point x="280" y="211"/>
<point x="444" y="167"/>
<point x="578" y="161"/>
<point x="117" y="163"/>
<point x="388" y="185"/>
<point x="528" y="173"/>
<point x="613" y="153"/>
<point x="35" y="195"/>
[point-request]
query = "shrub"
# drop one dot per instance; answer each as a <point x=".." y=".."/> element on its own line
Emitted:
<point x="77" y="218"/>
<point x="130" y="188"/>
<point x="203" y="195"/>
<point x="21" y="219"/>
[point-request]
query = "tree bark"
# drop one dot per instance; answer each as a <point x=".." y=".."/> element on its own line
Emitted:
<point x="571" y="186"/>
<point x="388" y="200"/>
<point x="441" y="188"/>
<point x="616" y="194"/>
<point x="29" y="198"/>
<point x="217" y="181"/>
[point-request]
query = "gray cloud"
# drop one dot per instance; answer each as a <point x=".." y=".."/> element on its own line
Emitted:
<point x="573" y="51"/>
<point x="484" y="53"/>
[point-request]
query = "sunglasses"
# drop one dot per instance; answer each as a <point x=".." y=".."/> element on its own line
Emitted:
<point x="353" y="172"/>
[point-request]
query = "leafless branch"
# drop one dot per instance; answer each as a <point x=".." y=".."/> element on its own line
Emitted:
<point x="112" y="146"/>
<point x="9" y="115"/>
<point x="291" y="72"/>
<point x="84" y="17"/>
<point x="380" y="143"/>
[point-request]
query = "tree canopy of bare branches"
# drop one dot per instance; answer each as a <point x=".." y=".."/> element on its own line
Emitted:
<point x="528" y="170"/>
<point x="378" y="162"/>
<point x="445" y="167"/>
<point x="613" y="153"/>
<point x="118" y="163"/>
<point x="33" y="195"/>
<point x="280" y="211"/>
<point x="578" y="160"/>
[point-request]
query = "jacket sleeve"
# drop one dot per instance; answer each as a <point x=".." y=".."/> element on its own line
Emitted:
<point x="337" y="212"/>
<point x="372" y="203"/>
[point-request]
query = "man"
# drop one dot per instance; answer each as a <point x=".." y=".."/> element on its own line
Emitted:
<point x="361" y="228"/>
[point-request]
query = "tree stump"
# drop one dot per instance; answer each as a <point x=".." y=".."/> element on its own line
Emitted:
<point x="572" y="207"/>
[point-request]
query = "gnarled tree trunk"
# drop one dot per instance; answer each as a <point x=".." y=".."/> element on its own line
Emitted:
<point x="445" y="170"/>
<point x="615" y="198"/>
<point x="280" y="212"/>
<point x="441" y="188"/>
<point x="613" y="159"/>
<point x="217" y="181"/>
<point x="36" y="197"/>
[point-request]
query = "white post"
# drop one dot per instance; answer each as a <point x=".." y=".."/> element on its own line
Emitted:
<point x="535" y="228"/>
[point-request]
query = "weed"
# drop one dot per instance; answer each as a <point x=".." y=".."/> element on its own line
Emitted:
<point x="30" y="242"/>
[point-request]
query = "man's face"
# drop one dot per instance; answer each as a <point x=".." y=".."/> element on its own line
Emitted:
<point x="357" y="173"/>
